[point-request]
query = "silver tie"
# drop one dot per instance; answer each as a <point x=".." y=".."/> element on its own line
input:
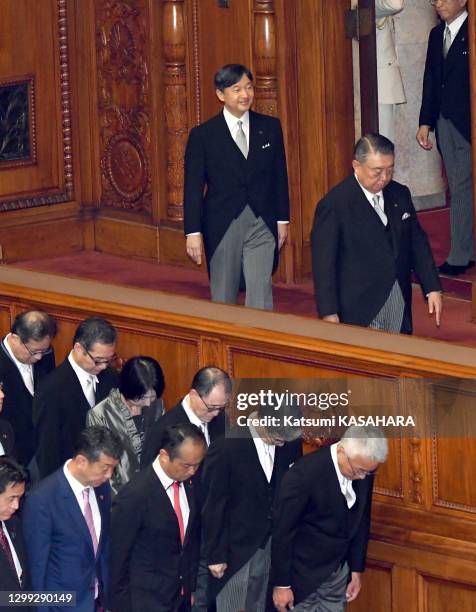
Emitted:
<point x="241" y="139"/>
<point x="446" y="41"/>
<point x="90" y="391"/>
<point x="379" y="209"/>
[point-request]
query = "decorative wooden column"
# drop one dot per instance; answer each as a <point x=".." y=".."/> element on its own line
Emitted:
<point x="264" y="56"/>
<point x="175" y="95"/>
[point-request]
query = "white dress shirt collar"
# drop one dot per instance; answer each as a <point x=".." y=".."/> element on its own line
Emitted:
<point x="368" y="194"/>
<point x="78" y="489"/>
<point x="193" y="418"/>
<point x="266" y="452"/>
<point x="345" y="484"/>
<point x="25" y="369"/>
<point x="455" y="25"/>
<point x="16" y="560"/>
<point x="167" y="483"/>
<point x="82" y="375"/>
<point x="232" y="121"/>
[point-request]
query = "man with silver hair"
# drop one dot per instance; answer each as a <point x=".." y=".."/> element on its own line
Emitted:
<point x="322" y="526"/>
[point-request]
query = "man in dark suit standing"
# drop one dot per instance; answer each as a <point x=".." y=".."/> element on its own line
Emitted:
<point x="65" y="396"/>
<point x="204" y="406"/>
<point x="26" y="357"/>
<point x="366" y="241"/>
<point x="242" y="473"/>
<point x="66" y="523"/>
<point x="14" y="575"/>
<point x="323" y="521"/>
<point x="156" y="529"/>
<point x="239" y="157"/>
<point x="445" y="108"/>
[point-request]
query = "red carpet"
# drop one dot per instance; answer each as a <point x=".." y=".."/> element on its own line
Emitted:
<point x="295" y="299"/>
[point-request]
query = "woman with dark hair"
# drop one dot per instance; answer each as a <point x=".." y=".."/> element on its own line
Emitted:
<point x="130" y="411"/>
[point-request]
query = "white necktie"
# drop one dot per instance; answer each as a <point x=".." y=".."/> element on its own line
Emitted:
<point x="90" y="390"/>
<point x="379" y="209"/>
<point x="28" y="377"/>
<point x="446" y="41"/>
<point x="268" y="461"/>
<point x="241" y="139"/>
<point x="349" y="494"/>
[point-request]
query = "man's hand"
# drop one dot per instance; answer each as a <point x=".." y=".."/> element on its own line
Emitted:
<point x="353" y="588"/>
<point x="283" y="599"/>
<point x="218" y="569"/>
<point x="435" y="305"/>
<point x="423" y="137"/>
<point x="282" y="234"/>
<point x="194" y="248"/>
<point x="334" y="318"/>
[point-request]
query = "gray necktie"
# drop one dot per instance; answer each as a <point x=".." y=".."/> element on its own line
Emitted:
<point x="379" y="209"/>
<point x="241" y="139"/>
<point x="446" y="41"/>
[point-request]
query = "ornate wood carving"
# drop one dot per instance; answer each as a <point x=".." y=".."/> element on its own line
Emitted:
<point x="264" y="54"/>
<point x="17" y="121"/>
<point x="66" y="193"/>
<point x="415" y="471"/>
<point x="175" y="94"/>
<point x="124" y="104"/>
<point x="196" y="62"/>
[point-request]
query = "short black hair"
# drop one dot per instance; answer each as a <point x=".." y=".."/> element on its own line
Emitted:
<point x="92" y="330"/>
<point x="175" y="435"/>
<point x="209" y="377"/>
<point x="11" y="472"/>
<point x="140" y="374"/>
<point x="34" y="325"/>
<point x="230" y="74"/>
<point x="96" y="440"/>
<point x="372" y="143"/>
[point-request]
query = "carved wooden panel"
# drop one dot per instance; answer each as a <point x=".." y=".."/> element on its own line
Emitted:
<point x="446" y="596"/>
<point x="17" y="120"/>
<point x="35" y="47"/>
<point x="264" y="55"/>
<point x="124" y="104"/>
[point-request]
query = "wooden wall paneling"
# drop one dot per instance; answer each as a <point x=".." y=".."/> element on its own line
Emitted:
<point x="326" y="132"/>
<point x="376" y="593"/>
<point x="291" y="254"/>
<point x="124" y="105"/>
<point x="225" y="37"/>
<point x="442" y="596"/>
<point x="35" y="42"/>
<point x="128" y="237"/>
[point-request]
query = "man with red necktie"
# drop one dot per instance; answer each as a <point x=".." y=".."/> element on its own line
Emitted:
<point x="155" y="542"/>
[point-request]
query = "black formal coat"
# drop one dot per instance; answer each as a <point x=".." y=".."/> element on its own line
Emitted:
<point x="446" y="81"/>
<point x="238" y="509"/>
<point x="314" y="530"/>
<point x="149" y="565"/>
<point x="17" y="405"/>
<point x="59" y="414"/>
<point x="8" y="578"/>
<point x="7" y="438"/>
<point x="175" y="416"/>
<point x="213" y="160"/>
<point x="356" y="259"/>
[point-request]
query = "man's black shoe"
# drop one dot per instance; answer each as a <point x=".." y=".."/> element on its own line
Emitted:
<point x="451" y="270"/>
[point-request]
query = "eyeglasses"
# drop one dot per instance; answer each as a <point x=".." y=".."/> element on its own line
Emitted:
<point x="359" y="472"/>
<point x="435" y="2"/>
<point x="38" y="352"/>
<point x="212" y="407"/>
<point x="99" y="360"/>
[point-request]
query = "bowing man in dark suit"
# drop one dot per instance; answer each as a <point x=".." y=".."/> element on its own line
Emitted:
<point x="203" y="406"/>
<point x="66" y="523"/>
<point x="26" y="357"/>
<point x="322" y="526"/>
<point x="65" y="396"/>
<point x="242" y="473"/>
<point x="156" y="529"/>
<point x="445" y="108"/>
<point x="366" y="241"/>
<point x="14" y="575"/>
<point x="239" y="157"/>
